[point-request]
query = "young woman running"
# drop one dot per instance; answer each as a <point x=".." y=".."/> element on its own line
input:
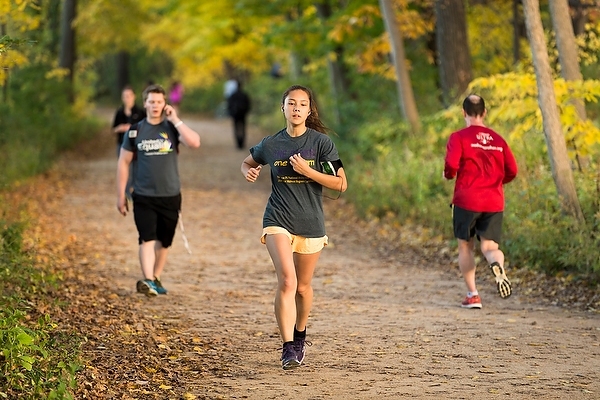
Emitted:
<point x="300" y="157"/>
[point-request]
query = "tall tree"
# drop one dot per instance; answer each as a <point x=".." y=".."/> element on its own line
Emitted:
<point x="122" y="69"/>
<point x="580" y="13"/>
<point x="454" y="57"/>
<point x="567" y="56"/>
<point x="4" y="82"/>
<point x="67" y="47"/>
<point x="567" y="47"/>
<point x="555" y="139"/>
<point x="337" y="71"/>
<point x="52" y="21"/>
<point x="406" y="97"/>
<point x="516" y="21"/>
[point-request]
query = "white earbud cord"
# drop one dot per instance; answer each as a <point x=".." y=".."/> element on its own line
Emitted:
<point x="185" y="241"/>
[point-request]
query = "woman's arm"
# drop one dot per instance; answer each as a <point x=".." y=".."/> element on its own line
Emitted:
<point x="334" y="182"/>
<point x="251" y="169"/>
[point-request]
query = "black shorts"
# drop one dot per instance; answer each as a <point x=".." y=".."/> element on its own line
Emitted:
<point x="156" y="218"/>
<point x="483" y="224"/>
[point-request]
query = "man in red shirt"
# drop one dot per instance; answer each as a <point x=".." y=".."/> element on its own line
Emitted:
<point x="481" y="162"/>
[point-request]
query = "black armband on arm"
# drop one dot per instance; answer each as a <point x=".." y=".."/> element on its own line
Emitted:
<point x="337" y="164"/>
<point x="331" y="167"/>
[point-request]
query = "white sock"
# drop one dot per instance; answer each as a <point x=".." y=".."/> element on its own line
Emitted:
<point x="471" y="294"/>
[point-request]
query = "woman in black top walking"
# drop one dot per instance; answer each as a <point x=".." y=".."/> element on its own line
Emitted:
<point x="127" y="114"/>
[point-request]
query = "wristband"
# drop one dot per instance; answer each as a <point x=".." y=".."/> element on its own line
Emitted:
<point x="178" y="124"/>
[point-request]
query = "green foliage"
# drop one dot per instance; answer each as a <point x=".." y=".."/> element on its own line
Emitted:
<point x="18" y="276"/>
<point x="490" y="37"/>
<point x="119" y="28"/>
<point x="515" y="104"/>
<point x="16" y="19"/>
<point x="145" y="66"/>
<point x="11" y="238"/>
<point x="7" y="43"/>
<point x="394" y="174"/>
<point x="36" y="360"/>
<point x="31" y="367"/>
<point x="538" y="234"/>
<point x="37" y="124"/>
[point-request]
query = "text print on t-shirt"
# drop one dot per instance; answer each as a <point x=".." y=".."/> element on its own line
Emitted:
<point x="484" y="139"/>
<point x="156" y="147"/>
<point x="285" y="172"/>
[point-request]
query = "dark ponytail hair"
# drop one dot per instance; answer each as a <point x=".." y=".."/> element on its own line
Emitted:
<point x="313" y="120"/>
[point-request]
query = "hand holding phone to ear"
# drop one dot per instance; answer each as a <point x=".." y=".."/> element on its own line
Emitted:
<point x="170" y="113"/>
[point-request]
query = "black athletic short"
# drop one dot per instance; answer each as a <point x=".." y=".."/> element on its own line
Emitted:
<point x="483" y="224"/>
<point x="156" y="218"/>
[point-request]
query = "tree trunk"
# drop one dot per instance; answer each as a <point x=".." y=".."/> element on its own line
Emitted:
<point x="337" y="72"/>
<point x="406" y="97"/>
<point x="67" y="47"/>
<point x="516" y="32"/>
<point x="295" y="66"/>
<point x="580" y="14"/>
<point x="53" y="18"/>
<point x="567" y="47"/>
<point x="555" y="140"/>
<point x="338" y="81"/>
<point x="567" y="55"/>
<point x="453" y="49"/>
<point x="5" y="83"/>
<point x="122" y="69"/>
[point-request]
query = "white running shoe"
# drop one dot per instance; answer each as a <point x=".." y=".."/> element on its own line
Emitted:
<point x="502" y="282"/>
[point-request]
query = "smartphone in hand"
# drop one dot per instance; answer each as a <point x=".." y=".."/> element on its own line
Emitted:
<point x="164" y="111"/>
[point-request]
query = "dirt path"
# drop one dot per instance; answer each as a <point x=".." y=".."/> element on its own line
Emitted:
<point x="380" y="328"/>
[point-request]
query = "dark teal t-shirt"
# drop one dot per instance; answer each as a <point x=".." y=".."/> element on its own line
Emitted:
<point x="296" y="202"/>
<point x="155" y="172"/>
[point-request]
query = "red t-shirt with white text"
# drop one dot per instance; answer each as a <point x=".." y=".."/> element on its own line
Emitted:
<point x="482" y="162"/>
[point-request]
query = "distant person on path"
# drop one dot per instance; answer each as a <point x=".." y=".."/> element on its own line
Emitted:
<point x="128" y="113"/>
<point x="152" y="144"/>
<point x="238" y="107"/>
<point x="299" y="157"/>
<point x="230" y="86"/>
<point x="176" y="95"/>
<point x="276" y="71"/>
<point x="482" y="162"/>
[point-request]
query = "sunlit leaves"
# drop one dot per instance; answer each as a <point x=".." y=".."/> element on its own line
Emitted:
<point x="202" y="37"/>
<point x="20" y="14"/>
<point x="512" y="102"/>
<point x="119" y="28"/>
<point x="350" y="24"/>
<point x="361" y="29"/>
<point x="491" y="37"/>
<point x="589" y="44"/>
<point x="18" y="17"/>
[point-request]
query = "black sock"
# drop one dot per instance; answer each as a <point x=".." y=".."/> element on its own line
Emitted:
<point x="298" y="334"/>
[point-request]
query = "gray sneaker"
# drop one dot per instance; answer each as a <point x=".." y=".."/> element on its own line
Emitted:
<point x="147" y="287"/>
<point x="289" y="357"/>
<point x="502" y="282"/>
